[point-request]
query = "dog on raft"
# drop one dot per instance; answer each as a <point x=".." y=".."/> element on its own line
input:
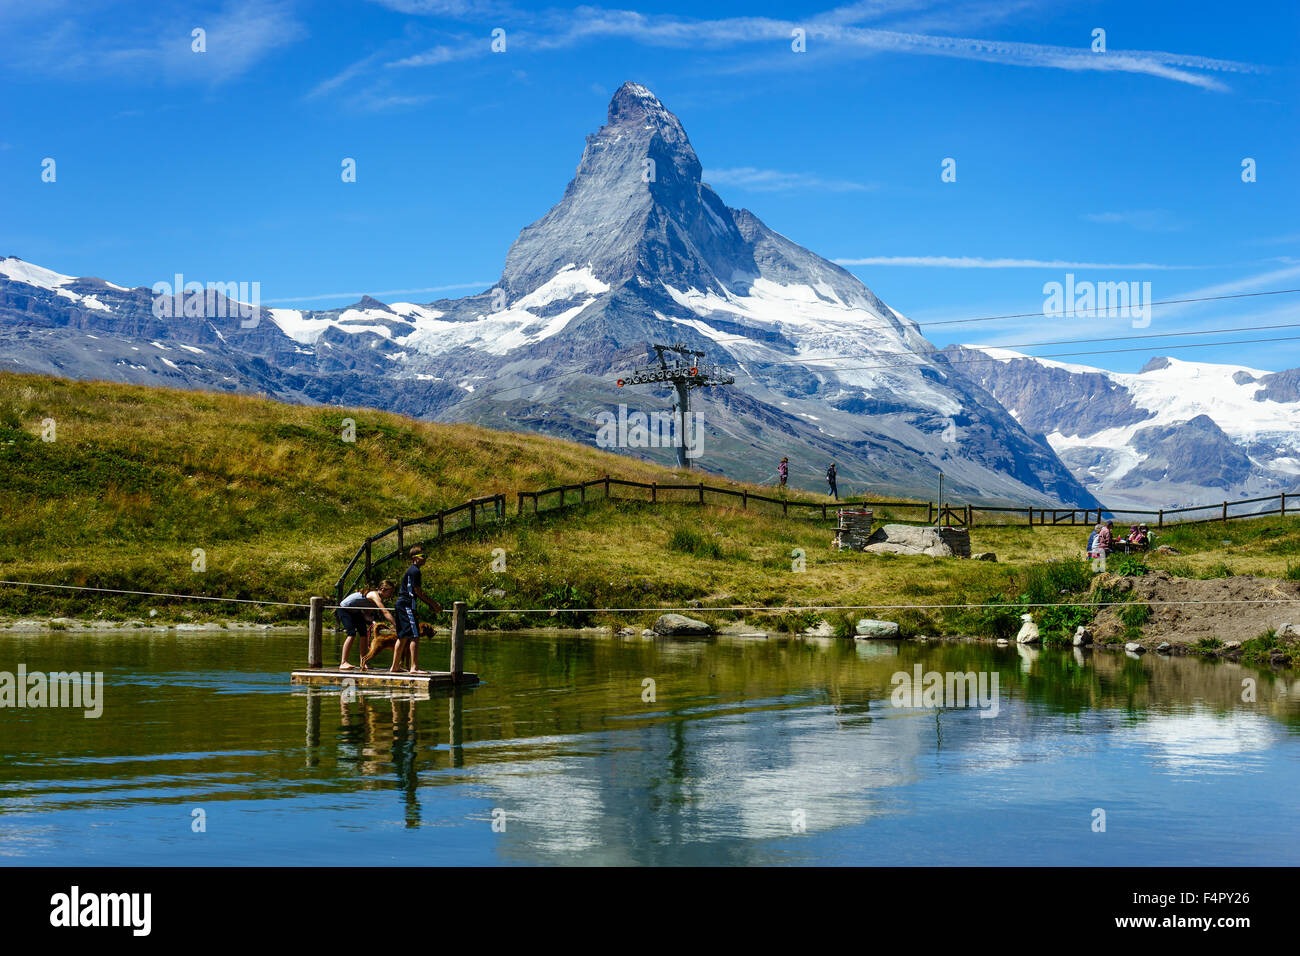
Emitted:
<point x="385" y="637"/>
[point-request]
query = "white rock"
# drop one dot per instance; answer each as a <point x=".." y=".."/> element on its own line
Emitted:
<point x="1028" y="630"/>
<point x="820" y="629"/>
<point x="1133" y="647"/>
<point x="1082" y="636"/>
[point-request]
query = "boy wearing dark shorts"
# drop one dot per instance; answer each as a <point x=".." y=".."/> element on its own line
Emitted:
<point x="408" y="627"/>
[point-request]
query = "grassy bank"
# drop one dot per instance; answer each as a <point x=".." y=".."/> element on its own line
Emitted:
<point x="138" y="478"/>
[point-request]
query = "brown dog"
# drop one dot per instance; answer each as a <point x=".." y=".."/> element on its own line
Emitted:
<point x="386" y="637"/>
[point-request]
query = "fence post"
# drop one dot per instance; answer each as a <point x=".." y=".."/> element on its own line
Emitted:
<point x="968" y="517"/>
<point x="582" y="491"/>
<point x="399" y="536"/>
<point x="367" y="562"/>
<point x="458" y="615"/>
<point x="654" y="491"/>
<point x="1225" y="512"/>
<point x="1031" y="517"/>
<point x="521" y="502"/>
<point x="1283" y="497"/>
<point x="929" y="512"/>
<point x="440" y="524"/>
<point x="315" y="625"/>
<point x="744" y="499"/>
<point x="823" y="512"/>
<point x="1160" y="523"/>
<point x="701" y="492"/>
<point x="785" y="506"/>
<point x="535" y="497"/>
<point x="473" y="523"/>
<point x="607" y="486"/>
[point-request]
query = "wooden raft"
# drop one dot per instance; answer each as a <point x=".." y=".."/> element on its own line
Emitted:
<point x="375" y="678"/>
<point x="382" y="678"/>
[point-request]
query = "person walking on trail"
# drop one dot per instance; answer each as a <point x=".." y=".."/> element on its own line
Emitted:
<point x="783" y="472"/>
<point x="408" y="628"/>
<point x="356" y="613"/>
<point x="830" y="480"/>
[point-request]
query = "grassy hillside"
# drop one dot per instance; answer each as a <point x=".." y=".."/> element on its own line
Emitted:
<point x="137" y="478"/>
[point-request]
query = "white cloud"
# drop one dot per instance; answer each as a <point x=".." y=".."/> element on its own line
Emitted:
<point x="772" y="180"/>
<point x="977" y="262"/>
<point x="241" y="35"/>
<point x="834" y="31"/>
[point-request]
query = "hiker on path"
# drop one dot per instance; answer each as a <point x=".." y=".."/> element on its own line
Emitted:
<point x="830" y="480"/>
<point x="408" y="628"/>
<point x="783" y="472"/>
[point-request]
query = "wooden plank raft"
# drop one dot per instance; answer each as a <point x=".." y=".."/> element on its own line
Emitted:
<point x="315" y="673"/>
<point x="382" y="678"/>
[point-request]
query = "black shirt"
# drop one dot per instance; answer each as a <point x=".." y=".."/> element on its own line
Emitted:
<point x="410" y="581"/>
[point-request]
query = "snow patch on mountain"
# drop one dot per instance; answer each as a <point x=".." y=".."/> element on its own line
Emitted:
<point x="19" y="271"/>
<point x="1175" y="433"/>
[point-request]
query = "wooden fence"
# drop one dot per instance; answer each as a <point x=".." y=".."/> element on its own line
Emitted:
<point x="488" y="509"/>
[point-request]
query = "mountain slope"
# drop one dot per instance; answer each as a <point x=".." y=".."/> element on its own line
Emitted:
<point x="638" y="250"/>
<point x="1174" y="434"/>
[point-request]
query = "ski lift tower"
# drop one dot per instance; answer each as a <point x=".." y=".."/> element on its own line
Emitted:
<point x="685" y="373"/>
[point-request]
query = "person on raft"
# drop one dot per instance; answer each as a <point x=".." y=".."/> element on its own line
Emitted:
<point x="408" y="628"/>
<point x="357" y="613"/>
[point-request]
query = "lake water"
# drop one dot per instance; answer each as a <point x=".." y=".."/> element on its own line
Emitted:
<point x="751" y="752"/>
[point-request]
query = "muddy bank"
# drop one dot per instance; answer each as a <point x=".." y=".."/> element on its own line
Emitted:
<point x="1225" y="616"/>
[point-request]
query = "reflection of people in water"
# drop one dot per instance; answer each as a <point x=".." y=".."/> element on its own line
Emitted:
<point x="366" y="738"/>
<point x="406" y="743"/>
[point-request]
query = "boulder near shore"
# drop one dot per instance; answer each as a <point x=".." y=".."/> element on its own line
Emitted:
<point x="679" y="625"/>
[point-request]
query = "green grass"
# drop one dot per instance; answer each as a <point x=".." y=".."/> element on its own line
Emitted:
<point x="140" y="477"/>
<point x="1260" y="651"/>
<point x="1127" y="565"/>
<point x="693" y="543"/>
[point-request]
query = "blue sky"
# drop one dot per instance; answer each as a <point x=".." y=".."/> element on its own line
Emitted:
<point x="225" y="165"/>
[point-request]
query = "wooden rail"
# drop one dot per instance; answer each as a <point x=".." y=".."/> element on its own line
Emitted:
<point x="472" y="514"/>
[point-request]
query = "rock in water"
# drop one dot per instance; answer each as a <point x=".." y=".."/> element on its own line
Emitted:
<point x="679" y="625"/>
<point x="1164" y="647"/>
<point x="1028" y="630"/>
<point x="869" y="630"/>
<point x="1082" y="636"/>
<point x="1133" y="647"/>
